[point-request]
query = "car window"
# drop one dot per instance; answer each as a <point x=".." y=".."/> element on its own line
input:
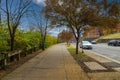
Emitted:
<point x="86" y="42"/>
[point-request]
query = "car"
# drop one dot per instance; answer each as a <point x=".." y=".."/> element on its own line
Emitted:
<point x="93" y="42"/>
<point x="85" y="45"/>
<point x="114" y="43"/>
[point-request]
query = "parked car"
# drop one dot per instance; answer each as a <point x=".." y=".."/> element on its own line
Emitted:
<point x="114" y="42"/>
<point x="93" y="42"/>
<point x="85" y="45"/>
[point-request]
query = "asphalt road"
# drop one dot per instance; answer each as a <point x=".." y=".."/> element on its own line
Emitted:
<point x="112" y="52"/>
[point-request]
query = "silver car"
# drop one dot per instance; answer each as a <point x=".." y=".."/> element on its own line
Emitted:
<point x="86" y="45"/>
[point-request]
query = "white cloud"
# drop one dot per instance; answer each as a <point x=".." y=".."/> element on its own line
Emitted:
<point x="54" y="32"/>
<point x="39" y="1"/>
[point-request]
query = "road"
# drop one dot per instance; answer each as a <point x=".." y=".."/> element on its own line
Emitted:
<point x="112" y="52"/>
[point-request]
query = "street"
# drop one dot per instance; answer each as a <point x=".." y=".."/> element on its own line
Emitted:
<point x="112" y="52"/>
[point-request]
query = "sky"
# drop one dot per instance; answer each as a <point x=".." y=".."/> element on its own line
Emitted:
<point x="26" y="21"/>
<point x="54" y="31"/>
<point x="39" y="1"/>
<point x="41" y="4"/>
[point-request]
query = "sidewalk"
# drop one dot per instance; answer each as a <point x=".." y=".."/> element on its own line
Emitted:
<point x="53" y="64"/>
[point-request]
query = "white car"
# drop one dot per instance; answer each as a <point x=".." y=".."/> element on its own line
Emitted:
<point x="86" y="45"/>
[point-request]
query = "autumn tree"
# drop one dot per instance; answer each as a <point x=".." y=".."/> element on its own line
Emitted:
<point x="109" y="13"/>
<point x="74" y="14"/>
<point x="78" y="15"/>
<point x="65" y="36"/>
<point x="15" y="11"/>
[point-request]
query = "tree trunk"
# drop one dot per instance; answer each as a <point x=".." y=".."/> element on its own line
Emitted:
<point x="44" y="39"/>
<point x="12" y="43"/>
<point x="43" y="45"/>
<point x="77" y="43"/>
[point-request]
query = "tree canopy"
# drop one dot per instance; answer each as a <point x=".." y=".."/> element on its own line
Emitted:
<point x="78" y="15"/>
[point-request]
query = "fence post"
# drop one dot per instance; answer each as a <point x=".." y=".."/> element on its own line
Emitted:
<point x="5" y="55"/>
<point x="19" y="52"/>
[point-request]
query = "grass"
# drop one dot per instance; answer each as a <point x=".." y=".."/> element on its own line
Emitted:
<point x="111" y="36"/>
<point x="80" y="56"/>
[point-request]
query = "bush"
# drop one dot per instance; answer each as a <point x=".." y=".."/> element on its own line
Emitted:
<point x="3" y="40"/>
<point x="50" y="41"/>
<point x="24" y="40"/>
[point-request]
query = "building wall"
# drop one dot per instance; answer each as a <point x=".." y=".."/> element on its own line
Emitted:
<point x="94" y="33"/>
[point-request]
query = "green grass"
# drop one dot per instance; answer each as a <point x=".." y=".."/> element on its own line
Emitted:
<point x="111" y="36"/>
<point x="80" y="56"/>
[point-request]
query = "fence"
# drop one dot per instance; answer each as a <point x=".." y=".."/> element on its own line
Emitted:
<point x="8" y="57"/>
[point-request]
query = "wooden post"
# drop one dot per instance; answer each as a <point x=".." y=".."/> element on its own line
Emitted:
<point x="5" y="60"/>
<point x="19" y="54"/>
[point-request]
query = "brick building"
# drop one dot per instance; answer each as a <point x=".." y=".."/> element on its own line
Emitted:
<point x="97" y="32"/>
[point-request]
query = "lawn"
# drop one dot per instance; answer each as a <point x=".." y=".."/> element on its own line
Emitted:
<point x="80" y="56"/>
<point x="111" y="36"/>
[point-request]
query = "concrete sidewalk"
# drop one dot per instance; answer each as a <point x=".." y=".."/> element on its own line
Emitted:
<point x="53" y="64"/>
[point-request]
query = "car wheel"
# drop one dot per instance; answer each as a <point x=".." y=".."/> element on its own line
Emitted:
<point x="114" y="44"/>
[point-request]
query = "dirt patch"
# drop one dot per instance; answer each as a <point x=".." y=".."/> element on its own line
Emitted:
<point x="13" y="65"/>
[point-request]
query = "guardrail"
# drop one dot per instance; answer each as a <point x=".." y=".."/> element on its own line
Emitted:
<point x="8" y="57"/>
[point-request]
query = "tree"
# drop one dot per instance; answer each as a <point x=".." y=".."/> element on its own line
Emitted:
<point x="43" y="31"/>
<point x="74" y="14"/>
<point x="65" y="36"/>
<point x="42" y="24"/>
<point x="78" y="15"/>
<point x="15" y="11"/>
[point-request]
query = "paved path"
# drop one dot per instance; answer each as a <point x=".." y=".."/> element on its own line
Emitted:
<point x="53" y="64"/>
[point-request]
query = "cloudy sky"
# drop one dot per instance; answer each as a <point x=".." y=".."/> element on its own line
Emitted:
<point x="39" y="1"/>
<point x="27" y="19"/>
<point x="55" y="31"/>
